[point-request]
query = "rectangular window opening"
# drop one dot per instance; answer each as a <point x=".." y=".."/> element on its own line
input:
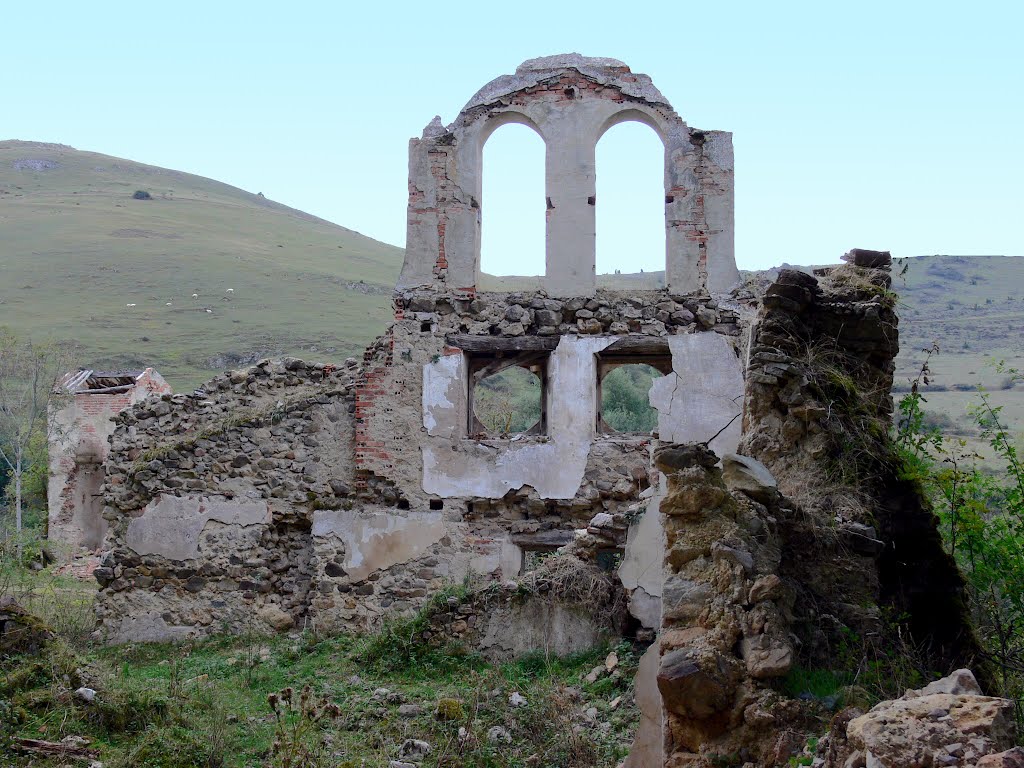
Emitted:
<point x="623" y="385"/>
<point x="507" y="394"/>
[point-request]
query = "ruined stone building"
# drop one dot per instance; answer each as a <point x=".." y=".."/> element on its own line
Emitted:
<point x="332" y="495"/>
<point x="81" y="423"/>
<point x="293" y="494"/>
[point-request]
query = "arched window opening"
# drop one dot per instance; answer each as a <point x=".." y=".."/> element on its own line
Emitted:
<point x="625" y="388"/>
<point x="512" y="221"/>
<point x="631" y="207"/>
<point x="507" y="396"/>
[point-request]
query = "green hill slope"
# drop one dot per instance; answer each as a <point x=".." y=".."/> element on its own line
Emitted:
<point x="973" y="308"/>
<point x="76" y="249"/>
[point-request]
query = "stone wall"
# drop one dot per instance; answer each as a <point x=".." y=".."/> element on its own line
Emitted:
<point x="818" y="412"/>
<point x="815" y="543"/>
<point x="290" y="493"/>
<point x="211" y="500"/>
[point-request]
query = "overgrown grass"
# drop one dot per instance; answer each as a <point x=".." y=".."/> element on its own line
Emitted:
<point x="205" y="704"/>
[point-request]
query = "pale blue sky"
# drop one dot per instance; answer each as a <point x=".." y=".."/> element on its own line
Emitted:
<point x="879" y="125"/>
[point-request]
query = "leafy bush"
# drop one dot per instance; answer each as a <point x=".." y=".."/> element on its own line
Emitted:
<point x="141" y="194"/>
<point x="982" y="519"/>
<point x="625" y="405"/>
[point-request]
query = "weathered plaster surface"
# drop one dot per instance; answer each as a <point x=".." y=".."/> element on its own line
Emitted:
<point x="641" y="571"/>
<point x="553" y="465"/>
<point x="648" y="748"/>
<point x="148" y="627"/>
<point x="171" y="526"/>
<point x="549" y="627"/>
<point x="570" y="101"/>
<point x="697" y="400"/>
<point x="703" y="394"/>
<point x="444" y="396"/>
<point x="378" y="541"/>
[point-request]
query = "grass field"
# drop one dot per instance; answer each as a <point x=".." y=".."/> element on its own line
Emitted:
<point x="205" y="704"/>
<point x="972" y="307"/>
<point x="76" y="248"/>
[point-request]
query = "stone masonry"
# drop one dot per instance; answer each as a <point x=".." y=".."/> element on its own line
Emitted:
<point x="290" y="494"/>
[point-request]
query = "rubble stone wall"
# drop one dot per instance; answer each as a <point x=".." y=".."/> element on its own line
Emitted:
<point x="788" y="551"/>
<point x="291" y="493"/>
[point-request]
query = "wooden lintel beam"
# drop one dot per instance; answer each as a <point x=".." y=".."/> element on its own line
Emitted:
<point x="638" y="345"/>
<point x="542" y="539"/>
<point x="505" y="344"/>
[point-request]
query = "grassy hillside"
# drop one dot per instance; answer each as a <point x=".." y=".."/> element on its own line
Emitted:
<point x="973" y="308"/>
<point x="76" y="248"/>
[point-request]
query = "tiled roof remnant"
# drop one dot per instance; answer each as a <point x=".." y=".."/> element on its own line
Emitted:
<point x="85" y="381"/>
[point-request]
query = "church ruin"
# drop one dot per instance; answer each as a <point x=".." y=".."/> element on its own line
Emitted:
<point x="333" y="495"/>
<point x="300" y="495"/>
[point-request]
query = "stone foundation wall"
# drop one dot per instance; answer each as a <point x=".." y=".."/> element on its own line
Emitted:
<point x="211" y="499"/>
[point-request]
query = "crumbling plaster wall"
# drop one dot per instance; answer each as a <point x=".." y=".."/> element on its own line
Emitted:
<point x="699" y="399"/>
<point x="375" y="493"/>
<point x="518" y="492"/>
<point x="570" y="101"/>
<point x="80" y="426"/>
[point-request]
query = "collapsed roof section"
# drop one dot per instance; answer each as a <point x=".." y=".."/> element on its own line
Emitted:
<point x="86" y="381"/>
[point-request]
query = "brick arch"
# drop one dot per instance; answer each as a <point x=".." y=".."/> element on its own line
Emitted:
<point x="570" y="100"/>
<point x="494" y="124"/>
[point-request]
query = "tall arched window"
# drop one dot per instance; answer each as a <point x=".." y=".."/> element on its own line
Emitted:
<point x="631" y="206"/>
<point x="512" y="230"/>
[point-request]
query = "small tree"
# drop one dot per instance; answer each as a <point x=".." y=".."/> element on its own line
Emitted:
<point x="28" y="372"/>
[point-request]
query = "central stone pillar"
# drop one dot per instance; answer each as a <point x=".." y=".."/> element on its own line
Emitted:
<point x="571" y="199"/>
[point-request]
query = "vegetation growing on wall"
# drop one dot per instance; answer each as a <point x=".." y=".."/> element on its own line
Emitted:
<point x="235" y="701"/>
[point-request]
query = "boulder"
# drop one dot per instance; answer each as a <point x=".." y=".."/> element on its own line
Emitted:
<point x="742" y="473"/>
<point x="693" y="687"/>
<point x="275" y="617"/>
<point x="960" y="683"/>
<point x="21" y="631"/>
<point x="766" y="656"/>
<point x="945" y="723"/>
<point x="1011" y="758"/>
<point x="414" y="750"/>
